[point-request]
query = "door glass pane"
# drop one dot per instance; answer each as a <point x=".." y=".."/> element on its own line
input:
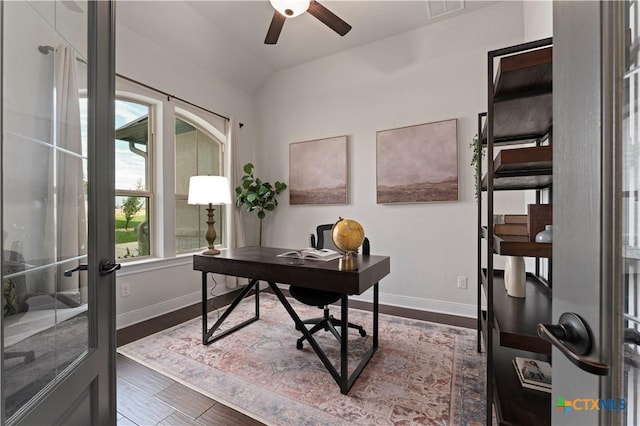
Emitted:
<point x="631" y="214"/>
<point x="44" y="210"/>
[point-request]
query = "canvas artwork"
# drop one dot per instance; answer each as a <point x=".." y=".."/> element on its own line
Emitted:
<point x="318" y="171"/>
<point x="418" y="164"/>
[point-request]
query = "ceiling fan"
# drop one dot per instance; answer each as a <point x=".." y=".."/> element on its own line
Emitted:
<point x="291" y="8"/>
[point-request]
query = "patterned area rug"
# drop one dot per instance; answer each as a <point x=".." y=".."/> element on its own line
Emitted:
<point x="422" y="373"/>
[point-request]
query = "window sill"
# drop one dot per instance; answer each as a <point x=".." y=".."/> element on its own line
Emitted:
<point x="154" y="264"/>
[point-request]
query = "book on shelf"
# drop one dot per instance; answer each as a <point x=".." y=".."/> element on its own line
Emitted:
<point x="533" y="373"/>
<point x="312" y="254"/>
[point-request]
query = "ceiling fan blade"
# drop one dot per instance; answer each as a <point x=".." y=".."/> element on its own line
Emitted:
<point x="274" y="29"/>
<point x="328" y="18"/>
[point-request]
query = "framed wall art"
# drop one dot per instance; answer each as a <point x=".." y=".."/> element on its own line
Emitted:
<point x="417" y="164"/>
<point x="318" y="171"/>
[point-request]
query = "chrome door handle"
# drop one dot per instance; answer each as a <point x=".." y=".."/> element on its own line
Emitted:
<point x="574" y="339"/>
<point x="107" y="267"/>
<point x="80" y="267"/>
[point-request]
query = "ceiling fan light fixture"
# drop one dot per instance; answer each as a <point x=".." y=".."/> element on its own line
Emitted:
<point x="290" y="8"/>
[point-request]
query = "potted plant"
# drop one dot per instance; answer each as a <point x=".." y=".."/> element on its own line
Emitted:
<point x="257" y="195"/>
<point x="476" y="155"/>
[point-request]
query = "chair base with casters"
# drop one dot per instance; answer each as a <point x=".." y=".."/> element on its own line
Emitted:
<point x="321" y="299"/>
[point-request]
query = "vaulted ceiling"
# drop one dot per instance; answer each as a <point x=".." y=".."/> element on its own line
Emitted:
<point x="228" y="36"/>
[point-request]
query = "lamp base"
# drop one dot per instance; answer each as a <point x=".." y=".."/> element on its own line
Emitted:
<point x="210" y="236"/>
<point x="211" y="251"/>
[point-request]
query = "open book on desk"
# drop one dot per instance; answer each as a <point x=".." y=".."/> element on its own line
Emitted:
<point x="312" y="254"/>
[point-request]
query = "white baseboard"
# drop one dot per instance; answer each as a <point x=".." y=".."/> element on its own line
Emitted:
<point x="148" y="312"/>
<point x="138" y="315"/>
<point x="429" y="305"/>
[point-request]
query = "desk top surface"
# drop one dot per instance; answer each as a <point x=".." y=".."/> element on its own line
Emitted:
<point x="262" y="263"/>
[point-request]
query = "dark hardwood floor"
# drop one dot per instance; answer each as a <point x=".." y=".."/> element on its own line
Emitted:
<point x="147" y="398"/>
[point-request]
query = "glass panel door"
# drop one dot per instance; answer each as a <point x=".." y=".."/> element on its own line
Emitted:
<point x="631" y="215"/>
<point x="57" y="358"/>
<point x="44" y="199"/>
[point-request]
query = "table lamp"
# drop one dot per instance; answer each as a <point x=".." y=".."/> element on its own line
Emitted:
<point x="207" y="191"/>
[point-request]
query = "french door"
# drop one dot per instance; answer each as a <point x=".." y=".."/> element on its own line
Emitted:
<point x="596" y="248"/>
<point x="57" y="206"/>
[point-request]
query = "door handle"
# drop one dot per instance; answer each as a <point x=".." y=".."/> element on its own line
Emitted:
<point x="107" y="267"/>
<point x="80" y="267"/>
<point x="573" y="338"/>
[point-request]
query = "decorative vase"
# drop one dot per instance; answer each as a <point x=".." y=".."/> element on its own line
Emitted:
<point x="515" y="276"/>
<point x="545" y="236"/>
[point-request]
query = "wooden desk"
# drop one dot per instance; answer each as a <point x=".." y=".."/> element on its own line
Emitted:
<point x="262" y="264"/>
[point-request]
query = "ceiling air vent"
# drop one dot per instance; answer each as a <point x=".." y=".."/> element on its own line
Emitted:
<point x="438" y="8"/>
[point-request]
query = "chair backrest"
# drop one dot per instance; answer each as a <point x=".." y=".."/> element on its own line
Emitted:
<point x="324" y="240"/>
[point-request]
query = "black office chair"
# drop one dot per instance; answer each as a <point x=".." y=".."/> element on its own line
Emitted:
<point x="322" y="299"/>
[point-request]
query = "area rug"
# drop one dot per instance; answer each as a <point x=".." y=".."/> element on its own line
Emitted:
<point x="422" y="373"/>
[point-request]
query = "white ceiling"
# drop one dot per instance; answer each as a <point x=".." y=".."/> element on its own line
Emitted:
<point x="228" y="36"/>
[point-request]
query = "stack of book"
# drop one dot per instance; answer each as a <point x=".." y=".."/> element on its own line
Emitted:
<point x="533" y="373"/>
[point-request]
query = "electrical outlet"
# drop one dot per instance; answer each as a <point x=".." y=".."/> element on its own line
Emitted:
<point x="462" y="282"/>
<point x="125" y="290"/>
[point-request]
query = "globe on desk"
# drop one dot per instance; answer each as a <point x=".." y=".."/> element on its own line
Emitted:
<point x="347" y="235"/>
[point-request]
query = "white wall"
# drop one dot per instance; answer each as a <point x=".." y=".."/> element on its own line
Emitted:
<point x="430" y="74"/>
<point x="538" y="19"/>
<point x="161" y="287"/>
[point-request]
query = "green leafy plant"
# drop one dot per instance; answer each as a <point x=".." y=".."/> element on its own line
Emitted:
<point x="477" y="154"/>
<point x="257" y="196"/>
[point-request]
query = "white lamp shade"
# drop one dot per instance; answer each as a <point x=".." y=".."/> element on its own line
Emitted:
<point x="209" y="190"/>
<point x="290" y="8"/>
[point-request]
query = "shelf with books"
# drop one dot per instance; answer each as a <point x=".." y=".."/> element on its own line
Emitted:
<point x="516" y="405"/>
<point x="518" y="111"/>
<point x="533" y="373"/>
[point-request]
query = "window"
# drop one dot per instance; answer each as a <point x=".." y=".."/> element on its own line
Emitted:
<point x="133" y="179"/>
<point x="197" y="152"/>
<point x="145" y="193"/>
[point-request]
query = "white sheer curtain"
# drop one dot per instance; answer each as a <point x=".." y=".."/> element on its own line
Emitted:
<point x="71" y="229"/>
<point x="237" y="233"/>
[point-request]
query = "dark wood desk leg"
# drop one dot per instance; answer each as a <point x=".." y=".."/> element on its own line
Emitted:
<point x="305" y="332"/>
<point x="207" y="335"/>
<point x="344" y="345"/>
<point x="205" y="309"/>
<point x="375" y="316"/>
<point x="258" y="300"/>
